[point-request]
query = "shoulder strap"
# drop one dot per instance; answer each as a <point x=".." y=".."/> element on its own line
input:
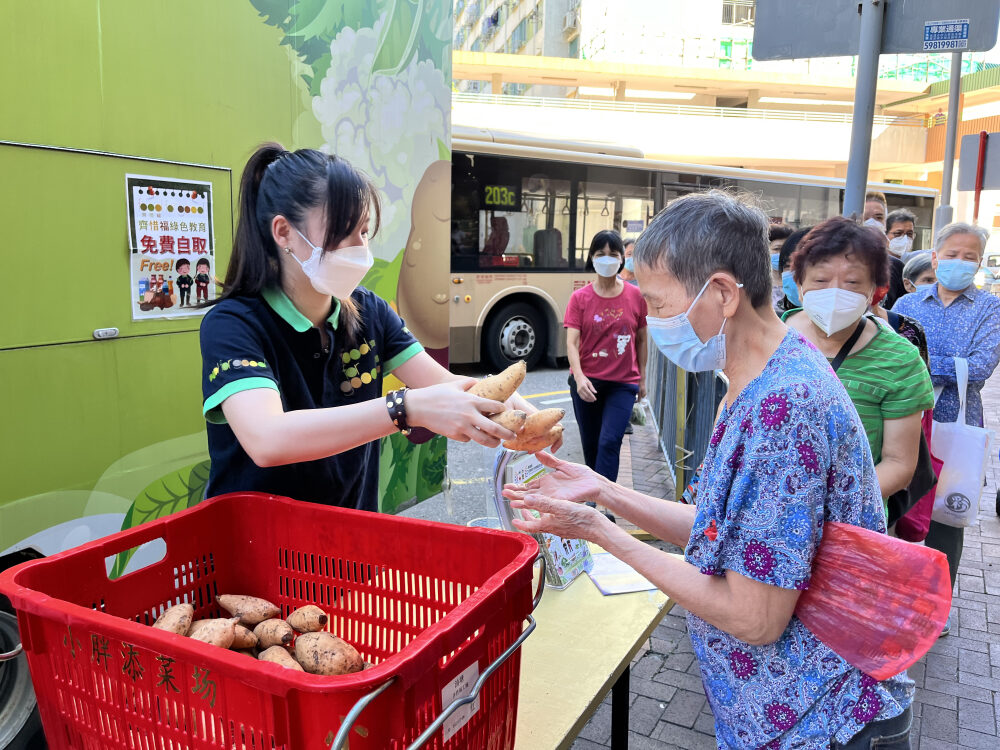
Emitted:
<point x="962" y="383"/>
<point x="848" y="345"/>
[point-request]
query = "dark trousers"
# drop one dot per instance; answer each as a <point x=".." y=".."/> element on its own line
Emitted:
<point x="949" y="540"/>
<point x="602" y="423"/>
<point x="891" y="734"/>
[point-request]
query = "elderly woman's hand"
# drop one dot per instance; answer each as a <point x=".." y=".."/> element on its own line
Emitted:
<point x="568" y="481"/>
<point x="560" y="517"/>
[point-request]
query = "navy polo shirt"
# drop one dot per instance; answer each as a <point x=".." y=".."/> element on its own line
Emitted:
<point x="265" y="342"/>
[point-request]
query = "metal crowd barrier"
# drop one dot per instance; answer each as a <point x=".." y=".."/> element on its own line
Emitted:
<point x="684" y="406"/>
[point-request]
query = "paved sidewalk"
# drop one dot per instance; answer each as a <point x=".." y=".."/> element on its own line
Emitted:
<point x="958" y="683"/>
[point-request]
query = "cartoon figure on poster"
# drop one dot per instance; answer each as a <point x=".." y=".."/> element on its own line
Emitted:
<point x="184" y="281"/>
<point x="169" y="230"/>
<point x="202" y="279"/>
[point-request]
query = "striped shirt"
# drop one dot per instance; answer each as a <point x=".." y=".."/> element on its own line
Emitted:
<point x="886" y="379"/>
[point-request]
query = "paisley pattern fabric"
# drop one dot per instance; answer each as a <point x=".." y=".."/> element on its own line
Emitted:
<point x="787" y="456"/>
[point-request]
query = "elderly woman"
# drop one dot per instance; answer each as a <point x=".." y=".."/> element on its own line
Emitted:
<point x="838" y="266"/>
<point x="787" y="455"/>
<point x="918" y="271"/>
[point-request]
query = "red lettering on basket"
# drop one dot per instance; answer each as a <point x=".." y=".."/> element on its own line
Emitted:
<point x="165" y="673"/>
<point x="204" y="686"/>
<point x="131" y="667"/>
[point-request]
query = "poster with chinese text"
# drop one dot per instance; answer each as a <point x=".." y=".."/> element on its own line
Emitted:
<point x="172" y="245"/>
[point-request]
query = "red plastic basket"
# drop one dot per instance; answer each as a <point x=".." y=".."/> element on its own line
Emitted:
<point x="432" y="606"/>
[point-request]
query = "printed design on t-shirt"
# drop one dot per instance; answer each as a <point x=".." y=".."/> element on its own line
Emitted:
<point x="623" y="339"/>
<point x="234" y="364"/>
<point x="609" y="315"/>
<point x="361" y="366"/>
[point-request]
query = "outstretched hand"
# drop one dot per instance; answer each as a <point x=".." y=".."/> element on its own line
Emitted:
<point x="563" y="518"/>
<point x="567" y="481"/>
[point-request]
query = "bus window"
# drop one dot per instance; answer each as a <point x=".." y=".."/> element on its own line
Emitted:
<point x="817" y="204"/>
<point x="545" y="225"/>
<point x="625" y="208"/>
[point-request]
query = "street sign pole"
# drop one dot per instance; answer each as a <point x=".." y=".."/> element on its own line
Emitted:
<point x="945" y="211"/>
<point x="869" y="49"/>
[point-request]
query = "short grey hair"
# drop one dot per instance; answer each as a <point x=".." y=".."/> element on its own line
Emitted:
<point x="899" y="216"/>
<point x="702" y="233"/>
<point x="917" y="265"/>
<point x="960" y="227"/>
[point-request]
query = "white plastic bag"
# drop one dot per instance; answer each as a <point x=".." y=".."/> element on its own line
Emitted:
<point x="964" y="451"/>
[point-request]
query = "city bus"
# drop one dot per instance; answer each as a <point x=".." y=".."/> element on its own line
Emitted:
<point x="523" y="212"/>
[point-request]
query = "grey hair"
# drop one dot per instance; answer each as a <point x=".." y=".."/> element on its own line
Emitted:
<point x="917" y="265"/>
<point x="960" y="227"/>
<point x="899" y="216"/>
<point x="702" y="233"/>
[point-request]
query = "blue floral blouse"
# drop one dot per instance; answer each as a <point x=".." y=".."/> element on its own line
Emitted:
<point x="787" y="456"/>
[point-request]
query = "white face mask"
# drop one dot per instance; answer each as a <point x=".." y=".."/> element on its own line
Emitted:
<point x="834" y="309"/>
<point x="900" y="245"/>
<point x="607" y="265"/>
<point x="338" y="272"/>
<point x="875" y="224"/>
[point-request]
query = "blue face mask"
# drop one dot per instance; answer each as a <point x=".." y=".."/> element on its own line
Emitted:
<point x="956" y="275"/>
<point x="775" y="257"/>
<point x="676" y="339"/>
<point x="629" y="265"/>
<point x="790" y="289"/>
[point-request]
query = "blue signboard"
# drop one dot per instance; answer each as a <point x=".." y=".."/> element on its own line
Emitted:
<point x="946" y="35"/>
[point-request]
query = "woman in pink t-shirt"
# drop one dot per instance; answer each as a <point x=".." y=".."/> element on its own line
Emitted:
<point x="606" y="343"/>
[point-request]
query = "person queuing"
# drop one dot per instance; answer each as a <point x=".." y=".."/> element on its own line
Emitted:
<point x="787" y="455"/>
<point x="628" y="270"/>
<point x="838" y="267"/>
<point x="918" y="271"/>
<point x="776" y="236"/>
<point x="960" y="321"/>
<point x="294" y="351"/>
<point x="875" y="217"/>
<point x="606" y="347"/>
<point x="791" y="299"/>
<point x="899" y="228"/>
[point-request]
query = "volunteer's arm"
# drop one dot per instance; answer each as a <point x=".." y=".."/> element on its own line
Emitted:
<point x="273" y="437"/>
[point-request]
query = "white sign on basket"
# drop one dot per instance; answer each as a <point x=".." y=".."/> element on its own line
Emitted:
<point x="460" y="687"/>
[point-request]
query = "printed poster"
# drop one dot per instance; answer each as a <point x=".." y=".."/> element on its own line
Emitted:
<point x="172" y="243"/>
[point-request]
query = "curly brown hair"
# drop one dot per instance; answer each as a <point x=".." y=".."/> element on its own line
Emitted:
<point x="841" y="236"/>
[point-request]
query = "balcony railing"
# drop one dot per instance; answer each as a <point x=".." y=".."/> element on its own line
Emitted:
<point x="596" y="105"/>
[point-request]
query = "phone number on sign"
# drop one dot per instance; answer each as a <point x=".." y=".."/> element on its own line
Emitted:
<point x="947" y="44"/>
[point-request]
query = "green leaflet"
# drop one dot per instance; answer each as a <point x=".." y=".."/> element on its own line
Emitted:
<point x="398" y="41"/>
<point x="169" y="494"/>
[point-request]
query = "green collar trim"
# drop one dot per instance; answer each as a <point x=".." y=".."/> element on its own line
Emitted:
<point x="288" y="312"/>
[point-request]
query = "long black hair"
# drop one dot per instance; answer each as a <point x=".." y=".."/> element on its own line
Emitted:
<point x="289" y="183"/>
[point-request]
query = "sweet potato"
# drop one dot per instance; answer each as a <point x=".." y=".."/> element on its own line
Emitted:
<point x="512" y="419"/>
<point x="534" y="444"/>
<point x="176" y="619"/>
<point x="501" y="387"/>
<point x="279" y="655"/>
<point x="308" y="619"/>
<point x="216" y="632"/>
<point x="251" y="610"/>
<point x="273" y="632"/>
<point x="541" y="422"/>
<point x="244" y="638"/>
<point x="326" y="654"/>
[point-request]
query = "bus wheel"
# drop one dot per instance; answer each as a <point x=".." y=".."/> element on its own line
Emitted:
<point x="515" y="331"/>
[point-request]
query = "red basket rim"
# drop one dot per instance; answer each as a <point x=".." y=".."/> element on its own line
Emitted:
<point x="34" y="602"/>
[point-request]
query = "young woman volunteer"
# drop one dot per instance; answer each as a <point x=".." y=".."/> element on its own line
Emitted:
<point x="294" y="352"/>
<point x="606" y="344"/>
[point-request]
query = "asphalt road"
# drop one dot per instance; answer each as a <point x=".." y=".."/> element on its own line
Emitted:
<point x="470" y="465"/>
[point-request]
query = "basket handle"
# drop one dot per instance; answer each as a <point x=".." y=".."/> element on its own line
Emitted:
<point x="340" y="741"/>
<point x="7" y="656"/>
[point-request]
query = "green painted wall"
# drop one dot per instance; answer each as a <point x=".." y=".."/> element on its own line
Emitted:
<point x="88" y="426"/>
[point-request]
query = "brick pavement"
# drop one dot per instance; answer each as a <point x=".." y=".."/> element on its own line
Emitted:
<point x="957" y="702"/>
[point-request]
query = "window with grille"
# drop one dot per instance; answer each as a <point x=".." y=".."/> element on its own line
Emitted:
<point x="738" y="12"/>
